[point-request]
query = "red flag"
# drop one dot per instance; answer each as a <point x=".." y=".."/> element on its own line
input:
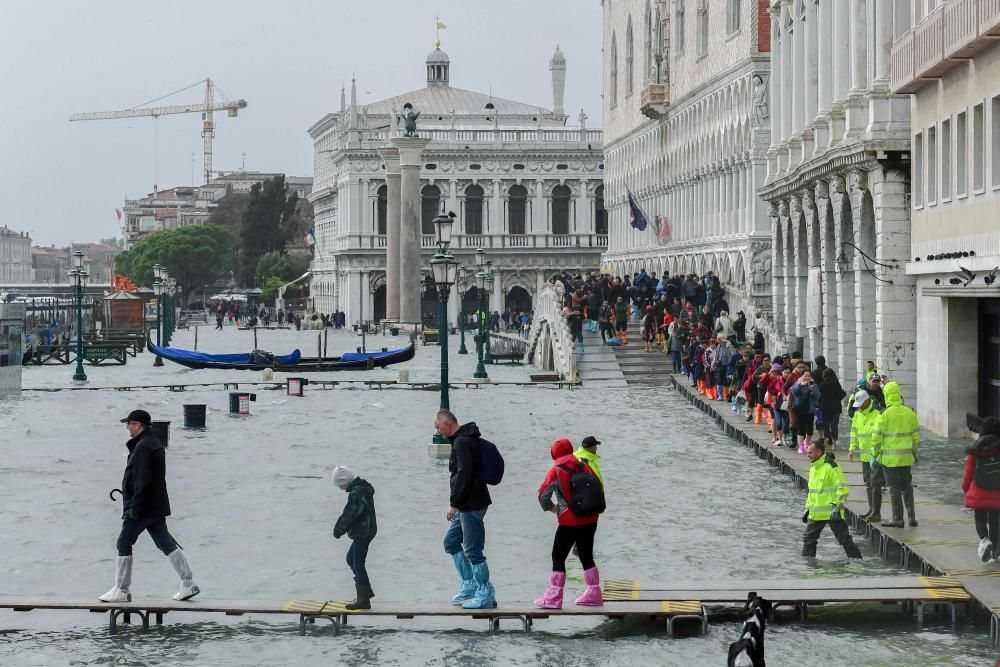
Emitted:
<point x="123" y="284"/>
<point x="118" y="212"/>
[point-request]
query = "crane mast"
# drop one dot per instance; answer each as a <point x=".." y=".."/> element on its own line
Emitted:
<point x="207" y="110"/>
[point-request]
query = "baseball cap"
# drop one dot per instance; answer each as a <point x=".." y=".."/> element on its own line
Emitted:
<point x="590" y="441"/>
<point x="140" y="416"/>
<point x="860" y="398"/>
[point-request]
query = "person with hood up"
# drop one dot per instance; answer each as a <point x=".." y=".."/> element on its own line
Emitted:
<point x="555" y="495"/>
<point x="862" y="424"/>
<point x="466" y="536"/>
<point x="895" y="437"/>
<point x="981" y="484"/>
<point x="828" y="491"/>
<point x="358" y="522"/>
<point x="724" y="326"/>
<point x="145" y="508"/>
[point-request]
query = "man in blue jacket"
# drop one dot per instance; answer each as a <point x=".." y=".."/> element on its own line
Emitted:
<point x="466" y="536"/>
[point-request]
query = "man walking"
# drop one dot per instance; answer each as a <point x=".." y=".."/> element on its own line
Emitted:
<point x="588" y="454"/>
<point x="895" y="437"/>
<point x="862" y="425"/>
<point x="825" y="503"/>
<point x="146" y="508"/>
<point x="466" y="536"/>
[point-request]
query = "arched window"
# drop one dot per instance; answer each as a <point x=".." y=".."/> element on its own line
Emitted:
<point x="613" y="79"/>
<point x="473" y="210"/>
<point x="517" y="206"/>
<point x="629" y="61"/>
<point x="648" y="35"/>
<point x="600" y="213"/>
<point x="381" y="207"/>
<point x="560" y="209"/>
<point x="430" y="206"/>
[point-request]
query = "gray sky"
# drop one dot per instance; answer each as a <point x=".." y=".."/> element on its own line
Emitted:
<point x="63" y="181"/>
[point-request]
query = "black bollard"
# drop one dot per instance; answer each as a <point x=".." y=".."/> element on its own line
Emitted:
<point x="194" y="416"/>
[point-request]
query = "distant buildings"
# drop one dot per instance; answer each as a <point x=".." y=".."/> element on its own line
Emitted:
<point x="177" y="207"/>
<point x="49" y="265"/>
<point x="15" y="257"/>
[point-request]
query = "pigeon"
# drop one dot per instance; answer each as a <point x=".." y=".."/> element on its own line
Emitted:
<point x="967" y="275"/>
<point x="990" y="279"/>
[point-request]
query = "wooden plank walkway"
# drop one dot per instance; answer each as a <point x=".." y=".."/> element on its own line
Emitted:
<point x="321" y="384"/>
<point x="943" y="544"/>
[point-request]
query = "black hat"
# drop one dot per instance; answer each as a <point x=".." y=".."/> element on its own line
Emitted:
<point x="590" y="441"/>
<point x="140" y="416"/>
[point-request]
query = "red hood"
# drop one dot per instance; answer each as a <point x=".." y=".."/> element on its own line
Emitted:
<point x="560" y="448"/>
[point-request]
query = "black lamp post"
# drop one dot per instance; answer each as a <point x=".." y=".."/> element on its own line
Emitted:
<point x="444" y="268"/>
<point x="463" y="287"/>
<point x="480" y="373"/>
<point x="79" y="278"/>
<point x="158" y="292"/>
<point x="488" y="319"/>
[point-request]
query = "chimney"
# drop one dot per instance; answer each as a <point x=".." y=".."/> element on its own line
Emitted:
<point x="557" y="66"/>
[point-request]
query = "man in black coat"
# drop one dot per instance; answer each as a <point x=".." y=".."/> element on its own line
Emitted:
<point x="146" y="507"/>
<point x="469" y="500"/>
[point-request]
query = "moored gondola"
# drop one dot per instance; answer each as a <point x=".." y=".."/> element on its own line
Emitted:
<point x="293" y="362"/>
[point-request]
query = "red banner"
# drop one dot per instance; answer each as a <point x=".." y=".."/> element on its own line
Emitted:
<point x="123" y="284"/>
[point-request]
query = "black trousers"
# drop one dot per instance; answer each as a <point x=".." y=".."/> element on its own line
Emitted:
<point x="566" y="537"/>
<point x="840" y="531"/>
<point x="988" y="525"/>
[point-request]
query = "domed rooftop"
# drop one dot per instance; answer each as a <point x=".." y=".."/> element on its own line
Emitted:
<point x="438" y="64"/>
<point x="437" y="56"/>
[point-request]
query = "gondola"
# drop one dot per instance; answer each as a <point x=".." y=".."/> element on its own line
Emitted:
<point x="293" y="362"/>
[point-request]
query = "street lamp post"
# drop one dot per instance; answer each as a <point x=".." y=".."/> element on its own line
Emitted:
<point x="444" y="268"/>
<point x="488" y="321"/>
<point x="463" y="286"/>
<point x="79" y="276"/>
<point x="158" y="292"/>
<point x="168" y="305"/>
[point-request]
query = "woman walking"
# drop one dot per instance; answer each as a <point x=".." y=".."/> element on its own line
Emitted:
<point x="567" y="476"/>
<point x="981" y="484"/>
<point x="806" y="395"/>
<point x="648" y="329"/>
<point x="831" y="396"/>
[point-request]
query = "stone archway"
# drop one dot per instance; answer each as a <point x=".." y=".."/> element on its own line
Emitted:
<point x="518" y="300"/>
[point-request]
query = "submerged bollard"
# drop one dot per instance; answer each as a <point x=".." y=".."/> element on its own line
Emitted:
<point x="162" y="432"/>
<point x="239" y="402"/>
<point x="194" y="416"/>
<point x="296" y="386"/>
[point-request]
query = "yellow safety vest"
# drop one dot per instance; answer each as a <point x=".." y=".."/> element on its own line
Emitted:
<point x="827" y="490"/>
<point x="862" y="425"/>
<point x="593" y="460"/>
<point x="896" y="433"/>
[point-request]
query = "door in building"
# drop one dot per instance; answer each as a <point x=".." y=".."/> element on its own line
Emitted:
<point x="989" y="357"/>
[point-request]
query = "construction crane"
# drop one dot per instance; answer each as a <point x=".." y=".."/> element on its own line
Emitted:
<point x="206" y="109"/>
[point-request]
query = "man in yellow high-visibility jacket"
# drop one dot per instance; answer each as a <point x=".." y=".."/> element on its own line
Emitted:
<point x="825" y="503"/>
<point x="862" y="425"/>
<point x="588" y="454"/>
<point x="894" y="447"/>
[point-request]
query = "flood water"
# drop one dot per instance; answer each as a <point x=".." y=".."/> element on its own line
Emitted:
<point x="254" y="507"/>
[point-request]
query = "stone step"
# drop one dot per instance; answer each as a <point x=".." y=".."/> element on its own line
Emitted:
<point x="645" y="371"/>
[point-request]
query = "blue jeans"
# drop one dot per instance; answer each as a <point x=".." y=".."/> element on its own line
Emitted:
<point x="831" y="425"/>
<point x="133" y="528"/>
<point x="467" y="533"/>
<point x="675" y="355"/>
<point x="356" y="556"/>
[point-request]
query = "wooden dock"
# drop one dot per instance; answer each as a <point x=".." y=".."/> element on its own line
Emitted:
<point x="321" y="384"/>
<point x="943" y="544"/>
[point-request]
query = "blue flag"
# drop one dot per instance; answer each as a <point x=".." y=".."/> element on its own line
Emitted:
<point x="638" y="218"/>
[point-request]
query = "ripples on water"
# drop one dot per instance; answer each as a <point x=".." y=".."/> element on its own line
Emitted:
<point x="254" y="508"/>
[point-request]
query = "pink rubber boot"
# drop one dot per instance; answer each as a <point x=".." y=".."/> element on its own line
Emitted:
<point x="592" y="596"/>
<point x="553" y="596"/>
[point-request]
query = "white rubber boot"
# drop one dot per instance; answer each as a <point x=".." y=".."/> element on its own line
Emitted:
<point x="188" y="588"/>
<point x="123" y="581"/>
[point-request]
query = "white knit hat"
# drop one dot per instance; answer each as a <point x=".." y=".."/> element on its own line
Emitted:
<point x="342" y="475"/>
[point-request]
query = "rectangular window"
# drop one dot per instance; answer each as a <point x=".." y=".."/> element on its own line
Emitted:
<point x="679" y="40"/>
<point x="978" y="163"/>
<point x="961" y="156"/>
<point x="733" y="16"/>
<point x="703" y="31"/>
<point x="932" y="174"/>
<point x="918" y="170"/>
<point x="994" y="138"/>
<point x="946" y="159"/>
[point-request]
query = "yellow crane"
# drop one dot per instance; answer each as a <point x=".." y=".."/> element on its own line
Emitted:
<point x="206" y="109"/>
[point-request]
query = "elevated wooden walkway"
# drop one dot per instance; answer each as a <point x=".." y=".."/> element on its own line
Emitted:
<point x="321" y="384"/>
<point x="943" y="544"/>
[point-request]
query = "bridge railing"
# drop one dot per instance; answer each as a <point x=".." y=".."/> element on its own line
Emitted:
<point x="550" y="342"/>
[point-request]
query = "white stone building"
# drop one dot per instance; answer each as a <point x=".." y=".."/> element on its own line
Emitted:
<point x="838" y="189"/>
<point x="686" y="130"/>
<point x="946" y="56"/>
<point x="15" y="257"/>
<point x="525" y="187"/>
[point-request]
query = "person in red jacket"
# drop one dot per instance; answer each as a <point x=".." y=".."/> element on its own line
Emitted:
<point x="554" y="495"/>
<point x="981" y="484"/>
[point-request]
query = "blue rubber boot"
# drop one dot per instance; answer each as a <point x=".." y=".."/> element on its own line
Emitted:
<point x="486" y="595"/>
<point x="721" y="395"/>
<point x="464" y="567"/>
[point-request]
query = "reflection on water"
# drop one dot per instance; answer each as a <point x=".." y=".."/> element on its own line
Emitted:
<point x="254" y="509"/>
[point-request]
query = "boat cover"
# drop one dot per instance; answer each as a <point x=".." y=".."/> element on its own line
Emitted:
<point x="289" y="359"/>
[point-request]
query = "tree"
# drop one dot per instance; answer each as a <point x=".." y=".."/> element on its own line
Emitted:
<point x="279" y="265"/>
<point x="195" y="255"/>
<point x="229" y="214"/>
<point x="267" y="224"/>
<point x="270" y="291"/>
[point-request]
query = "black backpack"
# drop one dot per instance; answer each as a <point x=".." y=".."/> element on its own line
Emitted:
<point x="987" y="474"/>
<point x="586" y="490"/>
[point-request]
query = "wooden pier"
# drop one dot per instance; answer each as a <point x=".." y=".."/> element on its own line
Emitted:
<point x="943" y="544"/>
<point x="554" y="383"/>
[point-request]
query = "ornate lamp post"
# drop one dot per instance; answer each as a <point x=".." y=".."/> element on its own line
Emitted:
<point x="168" y="304"/>
<point x="79" y="277"/>
<point x="444" y="268"/>
<point x="487" y="320"/>
<point x="158" y="292"/>
<point x="463" y="286"/>
<point x="480" y="288"/>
